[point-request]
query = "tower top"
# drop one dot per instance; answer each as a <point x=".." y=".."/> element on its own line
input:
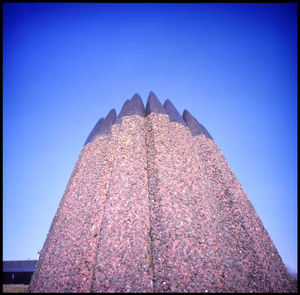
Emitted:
<point x="94" y="132"/>
<point x="135" y="106"/>
<point x="195" y="127"/>
<point x="154" y="105"/>
<point x="173" y="113"/>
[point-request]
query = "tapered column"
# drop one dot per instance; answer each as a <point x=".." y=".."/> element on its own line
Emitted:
<point x="153" y="206"/>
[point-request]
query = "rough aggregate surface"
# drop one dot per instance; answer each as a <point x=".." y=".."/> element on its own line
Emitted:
<point x="151" y="208"/>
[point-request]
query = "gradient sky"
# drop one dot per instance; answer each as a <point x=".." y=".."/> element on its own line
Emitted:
<point x="233" y="66"/>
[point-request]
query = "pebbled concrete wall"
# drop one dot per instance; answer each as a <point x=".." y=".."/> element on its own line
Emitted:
<point x="249" y="259"/>
<point x="152" y="208"/>
<point x="68" y="254"/>
<point x="123" y="253"/>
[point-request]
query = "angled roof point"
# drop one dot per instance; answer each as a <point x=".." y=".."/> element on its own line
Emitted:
<point x="154" y="105"/>
<point x="195" y="127"/>
<point x="94" y="131"/>
<point x="136" y="106"/>
<point x="135" y="96"/>
<point x="122" y="112"/>
<point x="108" y="122"/>
<point x="152" y="93"/>
<point x="173" y="113"/>
<point x="104" y="127"/>
<point x="133" y="106"/>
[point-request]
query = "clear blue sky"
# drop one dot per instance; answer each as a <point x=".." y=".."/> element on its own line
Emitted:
<point x="233" y="66"/>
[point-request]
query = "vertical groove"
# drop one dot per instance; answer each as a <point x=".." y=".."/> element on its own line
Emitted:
<point x="110" y="165"/>
<point x="122" y="260"/>
<point x="149" y="140"/>
<point x="100" y="228"/>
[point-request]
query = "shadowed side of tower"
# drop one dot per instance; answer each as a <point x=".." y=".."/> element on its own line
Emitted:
<point x="175" y="184"/>
<point x="249" y="259"/>
<point x="153" y="206"/>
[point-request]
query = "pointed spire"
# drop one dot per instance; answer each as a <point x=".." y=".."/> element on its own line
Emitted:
<point x="137" y="106"/>
<point x="154" y="105"/>
<point x="195" y="127"/>
<point x="103" y="127"/>
<point x="94" y="130"/>
<point x="173" y="113"/>
<point x="134" y="106"/>
<point x="122" y="112"/>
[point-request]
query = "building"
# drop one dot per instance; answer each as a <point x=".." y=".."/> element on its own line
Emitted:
<point x="18" y="271"/>
<point x="153" y="206"/>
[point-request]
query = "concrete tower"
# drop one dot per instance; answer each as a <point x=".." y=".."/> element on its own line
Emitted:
<point x="153" y="206"/>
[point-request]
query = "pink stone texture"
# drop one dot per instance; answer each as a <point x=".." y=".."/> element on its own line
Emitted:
<point x="152" y="208"/>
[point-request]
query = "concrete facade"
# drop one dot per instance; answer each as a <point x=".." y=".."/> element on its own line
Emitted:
<point x="153" y="206"/>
